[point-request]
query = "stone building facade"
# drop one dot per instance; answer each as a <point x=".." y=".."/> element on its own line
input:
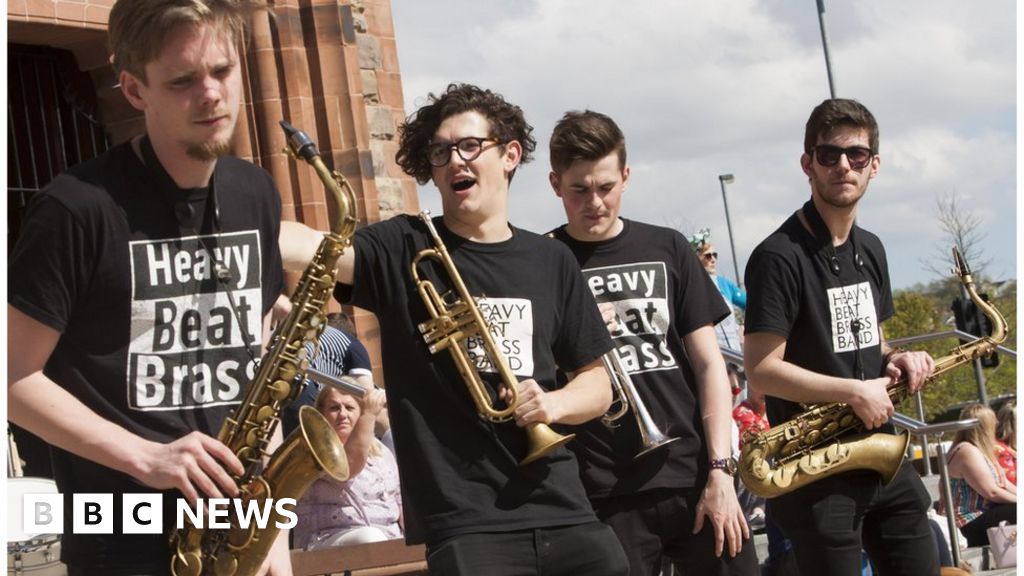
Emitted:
<point x="329" y="67"/>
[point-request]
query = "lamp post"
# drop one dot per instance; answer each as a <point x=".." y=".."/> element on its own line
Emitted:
<point x="722" y="180"/>
<point x="825" y="46"/>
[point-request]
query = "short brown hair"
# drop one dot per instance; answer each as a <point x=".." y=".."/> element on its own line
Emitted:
<point x="586" y="136"/>
<point x="138" y="28"/>
<point x="839" y="112"/>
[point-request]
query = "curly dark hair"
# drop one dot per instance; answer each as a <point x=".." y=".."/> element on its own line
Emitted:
<point x="507" y="124"/>
<point x="839" y="112"/>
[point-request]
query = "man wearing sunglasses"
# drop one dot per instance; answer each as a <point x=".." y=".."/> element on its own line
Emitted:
<point x="818" y="288"/>
<point x="464" y="492"/>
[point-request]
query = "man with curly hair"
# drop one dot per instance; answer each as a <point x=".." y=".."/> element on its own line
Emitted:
<point x="465" y="493"/>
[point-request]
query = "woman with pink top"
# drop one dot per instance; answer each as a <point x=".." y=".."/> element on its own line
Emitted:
<point x="368" y="506"/>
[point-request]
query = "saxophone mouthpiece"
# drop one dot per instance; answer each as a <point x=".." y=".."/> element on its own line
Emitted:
<point x="960" y="267"/>
<point x="299" y="143"/>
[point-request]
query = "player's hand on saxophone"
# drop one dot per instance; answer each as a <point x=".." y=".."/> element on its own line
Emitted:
<point x="195" y="464"/>
<point x="915" y="366"/>
<point x="871" y="403"/>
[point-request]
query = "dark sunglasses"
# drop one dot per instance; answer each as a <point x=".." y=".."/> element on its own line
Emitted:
<point x="828" y="155"/>
<point x="710" y="255"/>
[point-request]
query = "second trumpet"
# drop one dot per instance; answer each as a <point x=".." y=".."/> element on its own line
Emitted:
<point x="626" y="395"/>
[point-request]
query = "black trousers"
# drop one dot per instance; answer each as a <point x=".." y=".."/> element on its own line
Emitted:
<point x="658" y="523"/>
<point x="975" y="530"/>
<point x="153" y="570"/>
<point x="831" y="520"/>
<point x="590" y="549"/>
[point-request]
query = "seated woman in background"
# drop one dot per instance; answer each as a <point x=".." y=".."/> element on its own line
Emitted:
<point x="982" y="497"/>
<point x="1006" y="439"/>
<point x="365" y="508"/>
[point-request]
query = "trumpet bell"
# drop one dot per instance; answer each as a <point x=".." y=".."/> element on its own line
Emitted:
<point x="653" y="444"/>
<point x="542" y="441"/>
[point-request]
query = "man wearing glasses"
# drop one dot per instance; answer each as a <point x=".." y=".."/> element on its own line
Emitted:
<point x="464" y="491"/>
<point x="818" y="288"/>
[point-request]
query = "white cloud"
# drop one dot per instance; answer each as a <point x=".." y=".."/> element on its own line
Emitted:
<point x="702" y="88"/>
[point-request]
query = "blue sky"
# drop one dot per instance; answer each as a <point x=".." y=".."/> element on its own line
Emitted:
<point x="705" y="87"/>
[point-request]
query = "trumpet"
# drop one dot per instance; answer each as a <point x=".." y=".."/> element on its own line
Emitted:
<point x="452" y="324"/>
<point x="651" y="437"/>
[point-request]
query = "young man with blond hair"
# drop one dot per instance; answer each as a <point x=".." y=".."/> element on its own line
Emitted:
<point x="141" y="284"/>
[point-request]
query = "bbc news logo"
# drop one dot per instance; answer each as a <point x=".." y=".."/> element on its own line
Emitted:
<point x="143" y="513"/>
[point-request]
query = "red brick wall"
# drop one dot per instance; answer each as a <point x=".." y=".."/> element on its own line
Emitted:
<point x="329" y="67"/>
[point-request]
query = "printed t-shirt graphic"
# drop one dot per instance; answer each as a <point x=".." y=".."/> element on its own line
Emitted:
<point x="187" y="349"/>
<point x="849" y="303"/>
<point x="511" y="327"/>
<point x="639" y="293"/>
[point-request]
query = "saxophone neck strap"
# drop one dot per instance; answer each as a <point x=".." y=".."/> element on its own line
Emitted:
<point x="822" y="236"/>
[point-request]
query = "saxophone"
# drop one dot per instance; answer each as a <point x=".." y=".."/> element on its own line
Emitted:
<point x="829" y="439"/>
<point x="309" y="452"/>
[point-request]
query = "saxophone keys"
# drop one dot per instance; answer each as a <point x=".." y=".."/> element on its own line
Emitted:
<point x="240" y="538"/>
<point x="789" y="448"/>
<point x="287" y="372"/>
<point x="280" y="389"/>
<point x="226" y="564"/>
<point x="837" y="452"/>
<point x="783" y="477"/>
<point x="186" y="564"/>
<point x="264" y="414"/>
<point x="252" y="437"/>
<point x="246" y="454"/>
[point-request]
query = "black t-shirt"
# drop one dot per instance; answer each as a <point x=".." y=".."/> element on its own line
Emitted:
<point x="118" y="260"/>
<point x="460" y="474"/>
<point x="793" y="291"/>
<point x="661" y="293"/>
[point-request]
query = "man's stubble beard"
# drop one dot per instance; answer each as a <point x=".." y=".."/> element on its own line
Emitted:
<point x="839" y="200"/>
<point x="208" y="151"/>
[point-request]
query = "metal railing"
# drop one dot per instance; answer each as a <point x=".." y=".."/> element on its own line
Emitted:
<point x="979" y="376"/>
<point x="979" y="373"/>
<point x="923" y="430"/>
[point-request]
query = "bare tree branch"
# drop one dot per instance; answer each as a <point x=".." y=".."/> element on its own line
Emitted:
<point x="962" y="228"/>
